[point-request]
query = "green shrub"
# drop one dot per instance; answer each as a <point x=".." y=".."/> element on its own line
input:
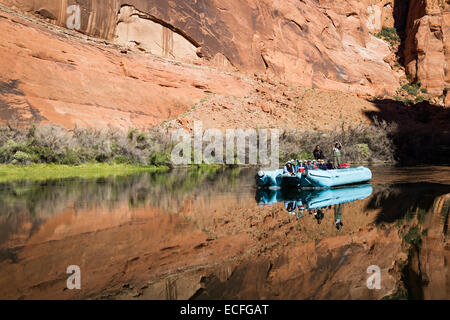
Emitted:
<point x="302" y="155"/>
<point x="121" y="160"/>
<point x="363" y="150"/>
<point x="424" y="90"/>
<point x="389" y="34"/>
<point x="70" y="158"/>
<point x="420" y="99"/>
<point x="412" y="89"/>
<point x="413" y="237"/>
<point x="8" y="151"/>
<point x="159" y="159"/>
<point x="22" y="157"/>
<point x="45" y="154"/>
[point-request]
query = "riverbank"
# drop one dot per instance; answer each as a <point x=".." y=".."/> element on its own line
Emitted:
<point x="56" y="171"/>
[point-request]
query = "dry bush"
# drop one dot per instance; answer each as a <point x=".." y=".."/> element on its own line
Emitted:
<point x="55" y="144"/>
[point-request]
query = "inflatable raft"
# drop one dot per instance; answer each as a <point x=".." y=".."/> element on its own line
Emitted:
<point x="313" y="178"/>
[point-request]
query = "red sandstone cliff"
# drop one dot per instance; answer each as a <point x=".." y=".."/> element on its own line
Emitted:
<point x="150" y="61"/>
<point x="427" y="46"/>
<point x="325" y="44"/>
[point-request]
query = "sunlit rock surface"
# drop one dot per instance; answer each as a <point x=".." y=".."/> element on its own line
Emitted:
<point x="325" y="44"/>
<point x="427" y="45"/>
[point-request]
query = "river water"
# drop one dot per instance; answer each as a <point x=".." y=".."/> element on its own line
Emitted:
<point x="210" y="234"/>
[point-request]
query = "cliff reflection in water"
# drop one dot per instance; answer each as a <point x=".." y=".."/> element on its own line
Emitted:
<point x="421" y="212"/>
<point x="200" y="234"/>
<point x="36" y="201"/>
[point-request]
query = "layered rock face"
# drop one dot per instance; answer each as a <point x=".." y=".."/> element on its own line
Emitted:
<point x="57" y="78"/>
<point x="427" y="45"/>
<point x="320" y="44"/>
<point x="324" y="44"/>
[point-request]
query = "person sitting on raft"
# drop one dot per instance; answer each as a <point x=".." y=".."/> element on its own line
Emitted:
<point x="329" y="165"/>
<point x="289" y="168"/>
<point x="322" y="165"/>
<point x="309" y="165"/>
<point x="299" y="165"/>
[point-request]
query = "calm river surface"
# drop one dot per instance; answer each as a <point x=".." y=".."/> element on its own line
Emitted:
<point x="210" y="234"/>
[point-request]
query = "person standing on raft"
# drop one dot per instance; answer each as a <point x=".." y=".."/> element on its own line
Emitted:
<point x="318" y="154"/>
<point x="337" y="155"/>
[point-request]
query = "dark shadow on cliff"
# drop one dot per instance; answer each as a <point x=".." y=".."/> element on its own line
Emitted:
<point x="405" y="200"/>
<point x="422" y="134"/>
<point x="400" y="13"/>
<point x="14" y="104"/>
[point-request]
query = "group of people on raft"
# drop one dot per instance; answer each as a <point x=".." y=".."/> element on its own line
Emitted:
<point x="294" y="166"/>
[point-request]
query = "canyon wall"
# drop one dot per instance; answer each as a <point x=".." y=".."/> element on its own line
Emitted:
<point x="427" y="44"/>
<point x="323" y="44"/>
<point x="53" y="77"/>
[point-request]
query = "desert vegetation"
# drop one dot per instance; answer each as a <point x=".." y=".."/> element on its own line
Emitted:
<point x="361" y="142"/>
<point x="50" y="144"/>
<point x="54" y="144"/>
<point x="389" y="35"/>
<point x="378" y="142"/>
<point x="412" y="93"/>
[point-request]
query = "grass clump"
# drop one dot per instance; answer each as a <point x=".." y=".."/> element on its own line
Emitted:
<point x="412" y="89"/>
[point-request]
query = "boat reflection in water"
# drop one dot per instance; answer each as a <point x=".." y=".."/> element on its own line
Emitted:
<point x="314" y="201"/>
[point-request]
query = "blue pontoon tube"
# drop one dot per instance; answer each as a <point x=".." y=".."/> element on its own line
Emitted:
<point x="313" y="178"/>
